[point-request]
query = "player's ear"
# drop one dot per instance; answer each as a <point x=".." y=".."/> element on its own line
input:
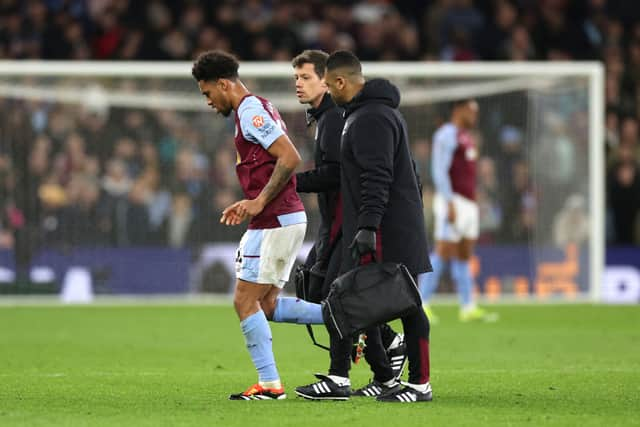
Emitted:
<point x="223" y="84"/>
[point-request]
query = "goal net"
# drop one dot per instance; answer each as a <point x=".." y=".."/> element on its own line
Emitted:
<point x="121" y="170"/>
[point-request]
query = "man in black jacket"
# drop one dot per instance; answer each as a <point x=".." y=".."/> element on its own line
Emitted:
<point x="324" y="179"/>
<point x="324" y="259"/>
<point x="382" y="216"/>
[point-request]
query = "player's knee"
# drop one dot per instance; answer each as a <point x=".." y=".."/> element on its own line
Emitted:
<point x="269" y="307"/>
<point x="464" y="254"/>
<point x="446" y="250"/>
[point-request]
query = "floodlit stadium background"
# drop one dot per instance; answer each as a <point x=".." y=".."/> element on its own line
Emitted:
<point x="113" y="174"/>
<point x="101" y="170"/>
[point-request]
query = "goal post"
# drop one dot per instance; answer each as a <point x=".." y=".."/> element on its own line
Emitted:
<point x="554" y="110"/>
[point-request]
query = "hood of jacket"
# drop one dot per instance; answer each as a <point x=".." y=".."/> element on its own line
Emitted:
<point x="380" y="91"/>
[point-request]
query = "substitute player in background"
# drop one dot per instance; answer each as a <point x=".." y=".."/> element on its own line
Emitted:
<point x="268" y="249"/>
<point x="453" y="165"/>
<point x="325" y="257"/>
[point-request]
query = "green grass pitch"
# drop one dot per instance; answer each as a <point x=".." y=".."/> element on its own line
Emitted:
<point x="573" y="365"/>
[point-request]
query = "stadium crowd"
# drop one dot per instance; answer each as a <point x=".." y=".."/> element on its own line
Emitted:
<point x="150" y="177"/>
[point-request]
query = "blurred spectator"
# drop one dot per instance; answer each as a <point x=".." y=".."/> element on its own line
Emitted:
<point x="459" y="31"/>
<point x="511" y="151"/>
<point x="132" y="218"/>
<point x="571" y="224"/>
<point x="206" y="228"/>
<point x="495" y="36"/>
<point x="75" y="166"/>
<point x="175" y="230"/>
<point x="519" y="46"/>
<point x="487" y="194"/>
<point x="520" y="205"/>
<point x="612" y="136"/>
<point x="623" y="191"/>
<point x="422" y="157"/>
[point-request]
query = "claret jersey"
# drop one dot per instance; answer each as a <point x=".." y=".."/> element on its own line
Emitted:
<point x="257" y="125"/>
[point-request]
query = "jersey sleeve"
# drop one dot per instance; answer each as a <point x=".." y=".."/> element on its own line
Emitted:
<point x="444" y="145"/>
<point x="257" y="125"/>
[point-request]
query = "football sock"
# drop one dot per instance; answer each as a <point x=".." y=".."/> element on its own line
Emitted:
<point x="295" y="310"/>
<point x="341" y="381"/>
<point x="421" y="388"/>
<point x="271" y="384"/>
<point x="461" y="275"/>
<point x="428" y="282"/>
<point x="257" y="336"/>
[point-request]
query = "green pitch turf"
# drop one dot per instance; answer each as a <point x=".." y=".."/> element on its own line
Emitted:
<point x="574" y="365"/>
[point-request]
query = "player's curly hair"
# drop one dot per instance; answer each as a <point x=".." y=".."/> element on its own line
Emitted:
<point x="215" y="64"/>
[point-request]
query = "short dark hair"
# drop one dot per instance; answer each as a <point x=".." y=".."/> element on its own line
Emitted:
<point x="460" y="102"/>
<point x="453" y="105"/>
<point x="215" y="64"/>
<point x="344" y="59"/>
<point x="312" y="56"/>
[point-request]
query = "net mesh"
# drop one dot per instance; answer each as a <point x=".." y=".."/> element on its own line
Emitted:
<point x="120" y="163"/>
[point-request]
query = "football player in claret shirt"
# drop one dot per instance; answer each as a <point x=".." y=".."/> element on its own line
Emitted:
<point x="277" y="221"/>
<point x="455" y="209"/>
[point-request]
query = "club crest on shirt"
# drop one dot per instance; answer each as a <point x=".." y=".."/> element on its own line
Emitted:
<point x="469" y="146"/>
<point x="258" y="121"/>
<point x="471" y="153"/>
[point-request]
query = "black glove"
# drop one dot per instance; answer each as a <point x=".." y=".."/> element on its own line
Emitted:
<point x="363" y="244"/>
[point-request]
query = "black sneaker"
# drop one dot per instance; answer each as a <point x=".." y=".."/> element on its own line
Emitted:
<point x="325" y="389"/>
<point x="398" y="357"/>
<point x="407" y="395"/>
<point x="375" y="388"/>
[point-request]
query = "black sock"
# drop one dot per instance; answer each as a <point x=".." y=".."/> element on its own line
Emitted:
<point x="416" y="332"/>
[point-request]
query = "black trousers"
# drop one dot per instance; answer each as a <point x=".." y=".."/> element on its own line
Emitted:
<point x="416" y="330"/>
<point x="378" y="338"/>
<point x="320" y="289"/>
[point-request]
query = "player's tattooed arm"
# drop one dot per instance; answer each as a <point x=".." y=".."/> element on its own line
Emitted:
<point x="288" y="159"/>
<point x="279" y="178"/>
